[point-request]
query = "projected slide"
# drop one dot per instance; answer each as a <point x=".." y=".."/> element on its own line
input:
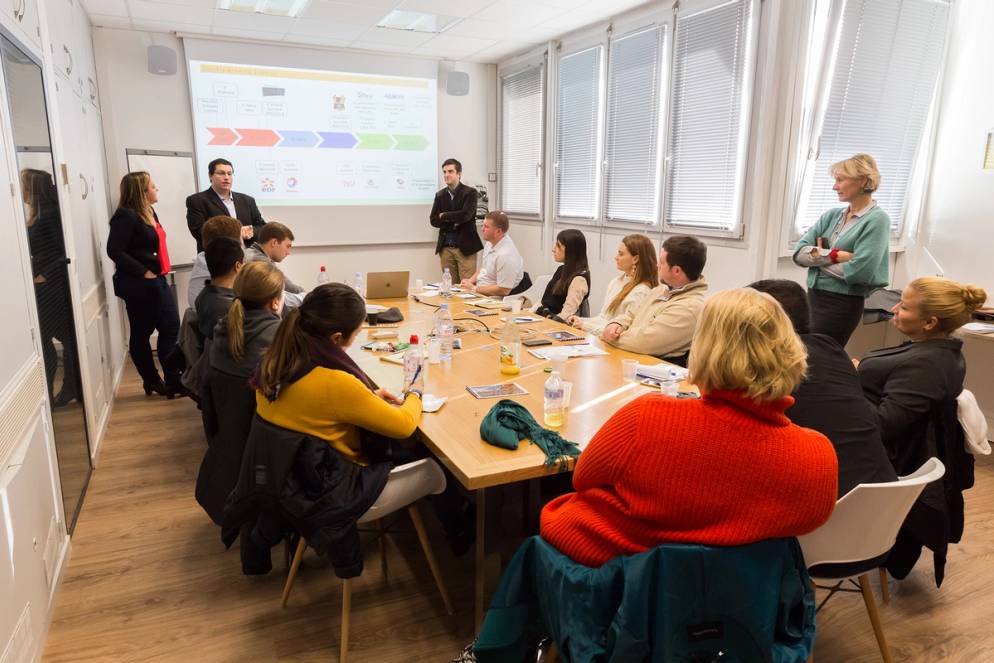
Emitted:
<point x="307" y="137"/>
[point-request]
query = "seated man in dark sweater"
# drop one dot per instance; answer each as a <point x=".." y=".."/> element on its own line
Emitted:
<point x="224" y="257"/>
<point x="830" y="399"/>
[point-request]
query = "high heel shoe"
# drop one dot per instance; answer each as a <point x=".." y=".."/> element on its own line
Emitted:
<point x="175" y="390"/>
<point x="157" y="387"/>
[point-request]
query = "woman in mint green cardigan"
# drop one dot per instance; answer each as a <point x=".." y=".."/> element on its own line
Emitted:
<point x="845" y="251"/>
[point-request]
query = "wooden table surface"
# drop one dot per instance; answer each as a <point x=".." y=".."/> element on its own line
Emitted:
<point x="453" y="433"/>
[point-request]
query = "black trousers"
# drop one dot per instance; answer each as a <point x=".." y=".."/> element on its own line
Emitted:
<point x="151" y="306"/>
<point x="834" y="314"/>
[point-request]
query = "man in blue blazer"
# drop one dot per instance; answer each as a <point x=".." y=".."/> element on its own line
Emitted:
<point x="220" y="200"/>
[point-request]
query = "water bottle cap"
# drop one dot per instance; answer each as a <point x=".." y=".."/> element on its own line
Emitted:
<point x="444" y="306"/>
<point x="414" y="339"/>
<point x="322" y="268"/>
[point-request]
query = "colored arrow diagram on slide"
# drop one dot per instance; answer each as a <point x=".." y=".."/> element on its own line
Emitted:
<point x="410" y="142"/>
<point x="323" y="139"/>
<point x="337" y="140"/>
<point x="221" y="136"/>
<point x="257" y="137"/>
<point x="374" y="142"/>
<point x="298" y="138"/>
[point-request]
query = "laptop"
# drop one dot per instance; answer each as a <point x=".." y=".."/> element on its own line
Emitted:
<point x="387" y="285"/>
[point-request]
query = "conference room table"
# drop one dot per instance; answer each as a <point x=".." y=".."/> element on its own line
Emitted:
<point x="453" y="433"/>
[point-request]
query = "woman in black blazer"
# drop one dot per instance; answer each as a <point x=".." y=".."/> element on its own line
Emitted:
<point x="913" y="388"/>
<point x="137" y="245"/>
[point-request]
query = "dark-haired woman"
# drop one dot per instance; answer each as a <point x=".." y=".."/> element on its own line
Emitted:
<point x="567" y="292"/>
<point x="137" y="245"/>
<point x="307" y="383"/>
<point x="239" y="341"/>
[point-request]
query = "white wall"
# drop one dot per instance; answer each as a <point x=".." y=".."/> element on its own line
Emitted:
<point x="131" y="122"/>
<point x="957" y="226"/>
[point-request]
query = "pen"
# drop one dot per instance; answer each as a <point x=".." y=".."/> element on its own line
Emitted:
<point x="417" y="372"/>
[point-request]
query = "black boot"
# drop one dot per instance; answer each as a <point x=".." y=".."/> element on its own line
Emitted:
<point x="155" y="386"/>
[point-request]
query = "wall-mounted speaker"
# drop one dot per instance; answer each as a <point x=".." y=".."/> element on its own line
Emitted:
<point x="457" y="83"/>
<point x="161" y="60"/>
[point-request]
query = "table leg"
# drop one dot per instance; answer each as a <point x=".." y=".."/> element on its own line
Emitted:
<point x="481" y="550"/>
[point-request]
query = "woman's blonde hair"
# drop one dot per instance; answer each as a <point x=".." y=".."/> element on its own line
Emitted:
<point x="745" y="342"/>
<point x="257" y="284"/>
<point x="646" y="269"/>
<point x="856" y="166"/>
<point x="134" y="197"/>
<point x="950" y="301"/>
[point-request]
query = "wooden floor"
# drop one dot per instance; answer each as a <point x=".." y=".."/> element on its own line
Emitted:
<point x="149" y="579"/>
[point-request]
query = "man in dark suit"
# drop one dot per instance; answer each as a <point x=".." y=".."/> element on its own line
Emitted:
<point x="830" y="399"/>
<point x="220" y="200"/>
<point x="454" y="214"/>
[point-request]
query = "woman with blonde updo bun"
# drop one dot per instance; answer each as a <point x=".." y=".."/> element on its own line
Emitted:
<point x="914" y="387"/>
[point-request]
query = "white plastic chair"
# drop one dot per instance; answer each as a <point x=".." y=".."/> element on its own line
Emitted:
<point x="533" y="295"/>
<point x="406" y="485"/>
<point x="863" y="527"/>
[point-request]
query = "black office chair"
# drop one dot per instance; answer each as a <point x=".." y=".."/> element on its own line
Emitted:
<point x="526" y="282"/>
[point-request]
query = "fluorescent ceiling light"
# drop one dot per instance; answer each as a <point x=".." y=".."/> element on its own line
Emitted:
<point x="291" y="8"/>
<point x="416" y="21"/>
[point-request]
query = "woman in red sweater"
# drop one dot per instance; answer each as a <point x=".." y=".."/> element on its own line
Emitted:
<point x="728" y="469"/>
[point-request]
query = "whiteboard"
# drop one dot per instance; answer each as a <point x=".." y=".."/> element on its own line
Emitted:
<point x="174" y="174"/>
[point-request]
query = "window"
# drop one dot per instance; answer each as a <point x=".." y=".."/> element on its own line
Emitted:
<point x="578" y="134"/>
<point x="633" y="134"/>
<point x="709" y="118"/>
<point x="883" y="68"/>
<point x="521" y="141"/>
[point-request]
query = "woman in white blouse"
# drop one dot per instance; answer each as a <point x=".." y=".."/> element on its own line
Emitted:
<point x="636" y="259"/>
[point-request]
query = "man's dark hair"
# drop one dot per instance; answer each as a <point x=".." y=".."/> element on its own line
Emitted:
<point x="688" y="253"/>
<point x="792" y="298"/>
<point x="212" y="166"/>
<point x="274" y="230"/>
<point x="453" y="162"/>
<point x="222" y="254"/>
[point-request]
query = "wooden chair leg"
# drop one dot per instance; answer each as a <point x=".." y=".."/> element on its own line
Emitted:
<point x="383" y="549"/>
<point x="287" y="553"/>
<point x="343" y="653"/>
<point x="294" y="566"/>
<point x="429" y="555"/>
<point x="871" y="609"/>
<point x="884" y="586"/>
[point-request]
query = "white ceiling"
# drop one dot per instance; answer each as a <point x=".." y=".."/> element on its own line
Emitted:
<point x="489" y="30"/>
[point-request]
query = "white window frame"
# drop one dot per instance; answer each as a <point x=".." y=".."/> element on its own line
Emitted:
<point x="664" y="21"/>
<point x="814" y="108"/>
<point x="566" y="49"/>
<point x="745" y="142"/>
<point x="528" y="62"/>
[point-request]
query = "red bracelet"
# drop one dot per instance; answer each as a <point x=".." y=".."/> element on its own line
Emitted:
<point x="834" y="255"/>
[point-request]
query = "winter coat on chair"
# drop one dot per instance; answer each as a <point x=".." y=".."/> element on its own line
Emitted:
<point x="290" y="481"/>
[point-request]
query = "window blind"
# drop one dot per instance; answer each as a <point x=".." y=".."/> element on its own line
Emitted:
<point x="521" y="141"/>
<point x="632" y="141"/>
<point x="577" y="133"/>
<point x="883" y="82"/>
<point x="708" y="118"/>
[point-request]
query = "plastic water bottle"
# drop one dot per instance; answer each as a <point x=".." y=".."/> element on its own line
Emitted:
<point x="446" y="288"/>
<point x="510" y="349"/>
<point x="323" y="276"/>
<point x="553" y="402"/>
<point x="670" y="386"/>
<point x="358" y="285"/>
<point x="445" y="330"/>
<point x="413" y="362"/>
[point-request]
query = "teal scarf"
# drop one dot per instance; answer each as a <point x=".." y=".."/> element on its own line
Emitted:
<point x="508" y="423"/>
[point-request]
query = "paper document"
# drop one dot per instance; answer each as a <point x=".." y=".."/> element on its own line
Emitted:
<point x="567" y="351"/>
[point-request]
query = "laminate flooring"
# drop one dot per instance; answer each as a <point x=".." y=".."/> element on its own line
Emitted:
<point x="149" y="579"/>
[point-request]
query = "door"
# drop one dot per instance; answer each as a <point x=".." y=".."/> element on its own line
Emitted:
<point x="49" y="268"/>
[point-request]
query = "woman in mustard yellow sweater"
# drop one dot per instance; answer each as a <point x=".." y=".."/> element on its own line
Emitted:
<point x="309" y="384"/>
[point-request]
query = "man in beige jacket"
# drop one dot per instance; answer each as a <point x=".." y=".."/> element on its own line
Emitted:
<point x="663" y="324"/>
